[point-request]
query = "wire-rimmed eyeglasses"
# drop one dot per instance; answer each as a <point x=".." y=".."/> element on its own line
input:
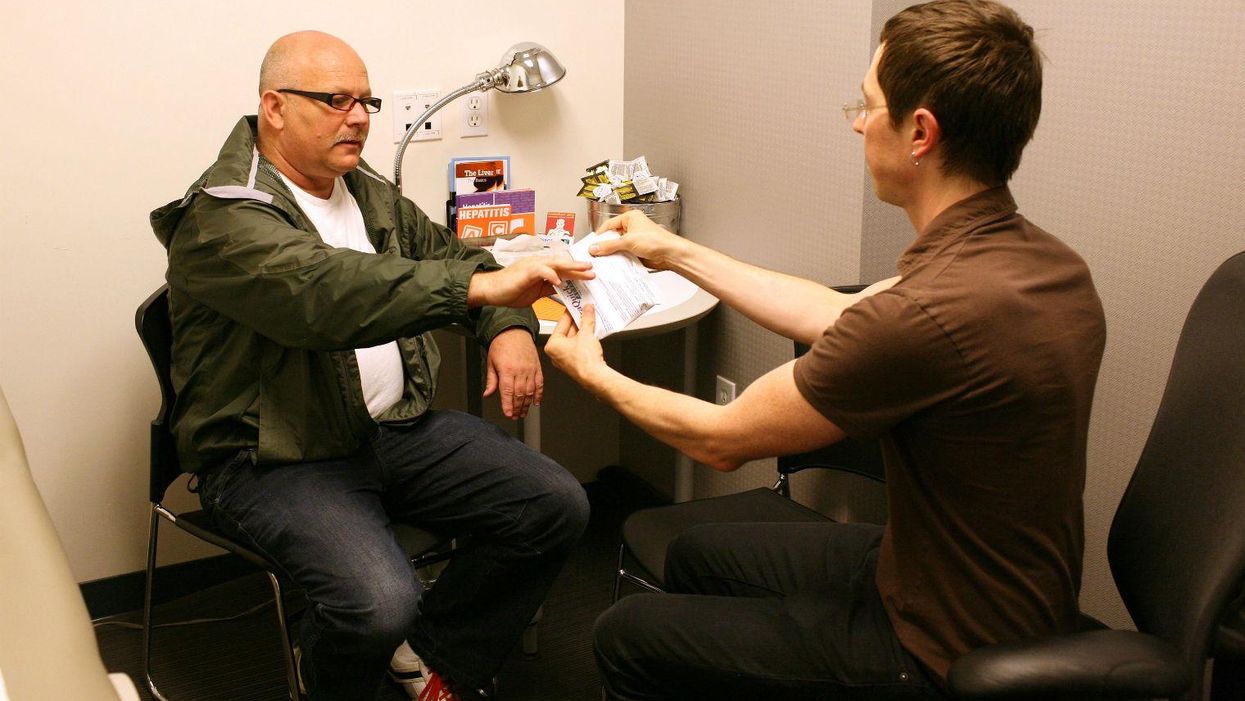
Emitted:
<point x="339" y="101"/>
<point x="854" y="111"/>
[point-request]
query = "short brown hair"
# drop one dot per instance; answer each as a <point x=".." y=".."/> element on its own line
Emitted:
<point x="975" y="65"/>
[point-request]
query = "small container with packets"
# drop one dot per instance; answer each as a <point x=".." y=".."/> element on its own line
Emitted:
<point x="613" y="187"/>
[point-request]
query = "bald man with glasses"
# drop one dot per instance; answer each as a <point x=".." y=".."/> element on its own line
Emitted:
<point x="303" y="288"/>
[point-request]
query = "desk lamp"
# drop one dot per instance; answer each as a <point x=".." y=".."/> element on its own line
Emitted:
<point x="525" y="67"/>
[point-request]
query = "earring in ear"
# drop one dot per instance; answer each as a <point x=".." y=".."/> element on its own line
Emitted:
<point x="915" y="161"/>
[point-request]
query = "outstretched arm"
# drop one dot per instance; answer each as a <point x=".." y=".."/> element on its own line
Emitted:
<point x="796" y="308"/>
<point x="769" y="418"/>
<point x="524" y="282"/>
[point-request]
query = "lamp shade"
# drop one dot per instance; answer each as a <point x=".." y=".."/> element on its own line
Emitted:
<point x="527" y="67"/>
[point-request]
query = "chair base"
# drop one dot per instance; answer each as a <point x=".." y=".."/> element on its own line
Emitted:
<point x="158" y="512"/>
<point x="432" y="551"/>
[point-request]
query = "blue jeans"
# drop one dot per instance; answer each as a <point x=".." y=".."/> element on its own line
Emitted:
<point x="761" y="611"/>
<point x="327" y="525"/>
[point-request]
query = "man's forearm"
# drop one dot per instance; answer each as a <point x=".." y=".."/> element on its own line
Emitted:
<point x="689" y="425"/>
<point x="792" y="307"/>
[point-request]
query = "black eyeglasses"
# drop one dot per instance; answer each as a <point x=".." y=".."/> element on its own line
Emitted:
<point x="339" y="101"/>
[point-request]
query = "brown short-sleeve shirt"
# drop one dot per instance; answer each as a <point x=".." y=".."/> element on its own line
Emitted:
<point x="977" y="371"/>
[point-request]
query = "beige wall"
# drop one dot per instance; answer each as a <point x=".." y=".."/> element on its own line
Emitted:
<point x="1136" y="164"/>
<point x="123" y="104"/>
<point x="738" y="102"/>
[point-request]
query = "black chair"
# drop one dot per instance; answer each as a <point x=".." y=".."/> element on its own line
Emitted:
<point x="155" y="330"/>
<point x="646" y="534"/>
<point x="1176" y="546"/>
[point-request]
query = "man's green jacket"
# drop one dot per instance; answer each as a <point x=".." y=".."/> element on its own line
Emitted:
<point x="266" y="315"/>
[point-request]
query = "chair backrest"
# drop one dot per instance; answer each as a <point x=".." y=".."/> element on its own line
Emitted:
<point x="854" y="455"/>
<point x="1177" y="544"/>
<point x="156" y="331"/>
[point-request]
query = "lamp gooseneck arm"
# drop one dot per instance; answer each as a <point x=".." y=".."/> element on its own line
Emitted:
<point x="482" y="82"/>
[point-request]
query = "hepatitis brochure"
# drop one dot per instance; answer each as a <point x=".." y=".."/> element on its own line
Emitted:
<point x="620" y="291"/>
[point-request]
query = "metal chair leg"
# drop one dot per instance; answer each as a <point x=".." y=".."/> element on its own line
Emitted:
<point x="291" y="671"/>
<point x="154" y="530"/>
<point x="531" y="634"/>
<point x="622" y="573"/>
<point x="287" y="646"/>
<point x="618" y="573"/>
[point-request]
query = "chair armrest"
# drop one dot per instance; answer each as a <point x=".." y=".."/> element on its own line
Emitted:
<point x="861" y="457"/>
<point x="849" y="289"/>
<point x="1107" y="664"/>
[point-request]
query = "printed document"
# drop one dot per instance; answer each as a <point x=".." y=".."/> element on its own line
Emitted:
<point x="620" y="292"/>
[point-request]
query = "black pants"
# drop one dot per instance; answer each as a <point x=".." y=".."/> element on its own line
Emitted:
<point x="761" y="611"/>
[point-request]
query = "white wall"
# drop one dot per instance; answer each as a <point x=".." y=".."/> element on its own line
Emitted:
<point x="124" y="104"/>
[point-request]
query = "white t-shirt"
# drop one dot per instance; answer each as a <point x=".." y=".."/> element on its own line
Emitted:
<point x="340" y="224"/>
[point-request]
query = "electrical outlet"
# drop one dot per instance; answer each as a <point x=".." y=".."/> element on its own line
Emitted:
<point x="408" y="105"/>
<point x="724" y="391"/>
<point x="475" y="115"/>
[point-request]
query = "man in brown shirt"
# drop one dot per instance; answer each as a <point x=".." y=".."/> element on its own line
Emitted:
<point x="977" y="371"/>
<point x="976" y="368"/>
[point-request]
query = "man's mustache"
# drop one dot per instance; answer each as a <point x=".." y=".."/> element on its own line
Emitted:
<point x="359" y="136"/>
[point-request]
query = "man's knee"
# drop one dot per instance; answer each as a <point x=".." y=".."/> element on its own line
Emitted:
<point x="687" y="554"/>
<point x="573" y="502"/>
<point x="558" y="517"/>
<point x="377" y="612"/>
<point x="631" y="641"/>
<point x="616" y="631"/>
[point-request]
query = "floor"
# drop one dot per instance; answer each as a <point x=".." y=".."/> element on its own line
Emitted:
<point x="240" y="659"/>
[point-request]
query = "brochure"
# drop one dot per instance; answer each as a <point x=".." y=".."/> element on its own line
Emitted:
<point x="470" y="174"/>
<point x="498" y="213"/>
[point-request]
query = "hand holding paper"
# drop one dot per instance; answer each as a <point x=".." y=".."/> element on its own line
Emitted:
<point x="640" y="237"/>
<point x="620" y="290"/>
<point x="524" y="282"/>
<point x="576" y="351"/>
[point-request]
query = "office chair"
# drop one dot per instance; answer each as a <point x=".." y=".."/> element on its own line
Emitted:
<point x="47" y="647"/>
<point x="155" y="330"/>
<point x="647" y="534"/>
<point x="1176" y="546"/>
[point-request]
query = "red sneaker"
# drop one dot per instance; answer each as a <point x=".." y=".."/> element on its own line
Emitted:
<point x="436" y="689"/>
